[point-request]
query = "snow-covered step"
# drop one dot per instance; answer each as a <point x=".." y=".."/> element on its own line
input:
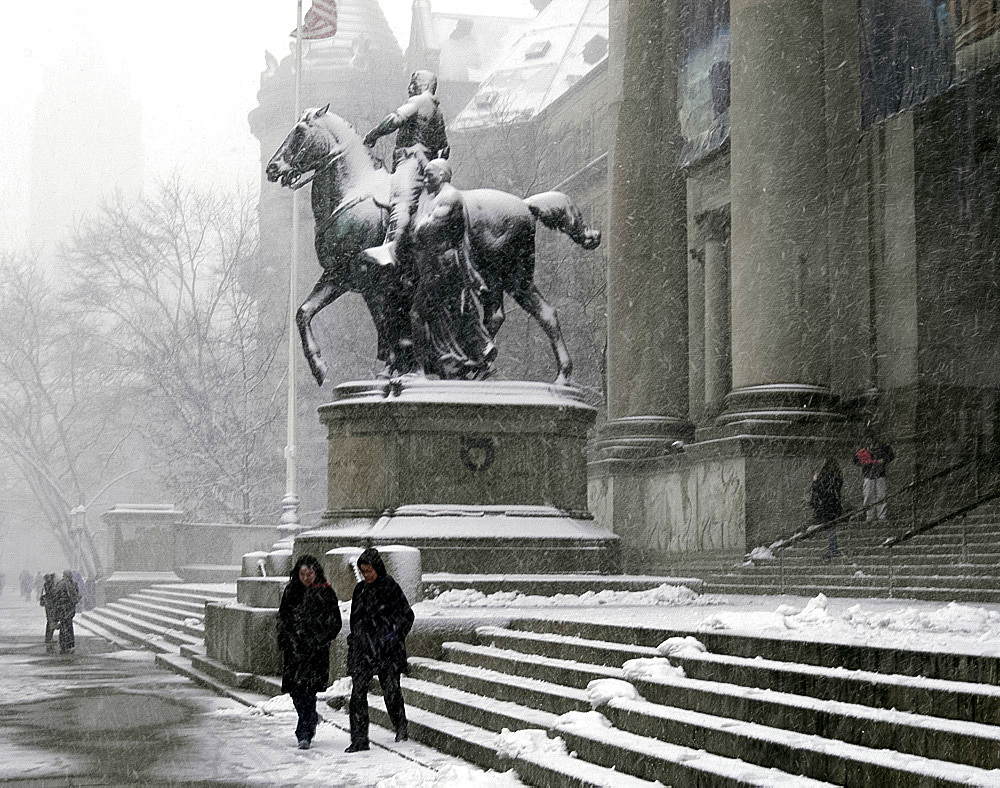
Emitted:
<point x="195" y="593"/>
<point x="184" y="667"/>
<point x="960" y="700"/>
<point x="177" y="622"/>
<point x="912" y="662"/>
<point x="975" y="744"/>
<point x="121" y="630"/>
<point x="551" y="584"/>
<point x="463" y="706"/>
<point x="108" y="616"/>
<point x="602" y="757"/>
<point x="535" y="693"/>
<point x="90" y="625"/>
<point x="192" y="606"/>
<point x="170" y="609"/>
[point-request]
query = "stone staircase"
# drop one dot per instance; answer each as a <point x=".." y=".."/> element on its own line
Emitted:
<point x="750" y="711"/>
<point x="747" y="711"/>
<point x="955" y="561"/>
<point x="169" y="620"/>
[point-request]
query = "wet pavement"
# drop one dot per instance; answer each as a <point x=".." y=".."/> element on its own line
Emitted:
<point x="106" y="716"/>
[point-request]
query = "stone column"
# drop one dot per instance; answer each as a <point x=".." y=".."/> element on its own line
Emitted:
<point x="715" y="233"/>
<point x="778" y="177"/>
<point x="647" y="261"/>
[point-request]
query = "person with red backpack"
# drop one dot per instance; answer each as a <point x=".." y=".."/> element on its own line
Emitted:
<point x="874" y="458"/>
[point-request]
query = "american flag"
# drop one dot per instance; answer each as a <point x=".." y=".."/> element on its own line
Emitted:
<point x="320" y="21"/>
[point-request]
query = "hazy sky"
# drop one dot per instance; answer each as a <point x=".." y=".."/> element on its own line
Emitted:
<point x="193" y="64"/>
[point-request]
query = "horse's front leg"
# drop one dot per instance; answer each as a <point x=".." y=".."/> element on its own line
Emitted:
<point x="324" y="293"/>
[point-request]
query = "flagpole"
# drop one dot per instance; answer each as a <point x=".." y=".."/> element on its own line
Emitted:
<point x="290" y="504"/>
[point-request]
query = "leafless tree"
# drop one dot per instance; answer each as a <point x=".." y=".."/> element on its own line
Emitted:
<point x="174" y="283"/>
<point x="63" y="432"/>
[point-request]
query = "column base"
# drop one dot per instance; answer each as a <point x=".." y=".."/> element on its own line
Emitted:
<point x="779" y="409"/>
<point x="641" y="437"/>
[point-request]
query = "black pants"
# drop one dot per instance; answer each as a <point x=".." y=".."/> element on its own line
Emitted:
<point x="50" y="628"/>
<point x="67" y="640"/>
<point x="305" y="705"/>
<point x="358" y="712"/>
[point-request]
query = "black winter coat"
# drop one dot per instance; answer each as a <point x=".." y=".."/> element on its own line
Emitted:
<point x="825" y="495"/>
<point x="381" y="618"/>
<point x="65" y="595"/>
<point x="308" y="621"/>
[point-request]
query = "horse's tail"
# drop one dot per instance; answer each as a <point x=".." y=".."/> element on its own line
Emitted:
<point x="558" y="212"/>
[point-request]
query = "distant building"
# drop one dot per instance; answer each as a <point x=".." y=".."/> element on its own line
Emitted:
<point x="461" y="48"/>
<point x="800" y="244"/>
<point x="86" y="143"/>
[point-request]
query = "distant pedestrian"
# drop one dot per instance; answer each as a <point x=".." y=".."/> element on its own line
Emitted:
<point x="308" y="621"/>
<point x="874" y="458"/>
<point x="48" y="602"/>
<point x="25" y="578"/>
<point x="65" y="596"/>
<point x="381" y="618"/>
<point x="825" y="499"/>
<point x="37" y="585"/>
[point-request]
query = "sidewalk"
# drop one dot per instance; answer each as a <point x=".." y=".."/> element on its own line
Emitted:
<point x="105" y="716"/>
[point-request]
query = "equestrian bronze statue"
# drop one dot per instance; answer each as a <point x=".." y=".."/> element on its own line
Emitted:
<point x="350" y="204"/>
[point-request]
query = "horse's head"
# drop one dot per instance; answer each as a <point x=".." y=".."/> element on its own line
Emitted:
<point x="307" y="146"/>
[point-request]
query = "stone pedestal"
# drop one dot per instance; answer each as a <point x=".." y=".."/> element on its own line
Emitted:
<point x="143" y="547"/>
<point x="480" y="476"/>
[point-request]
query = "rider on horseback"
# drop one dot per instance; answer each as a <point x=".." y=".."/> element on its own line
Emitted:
<point x="421" y="137"/>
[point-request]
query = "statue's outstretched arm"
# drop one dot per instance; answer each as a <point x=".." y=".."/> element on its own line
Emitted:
<point x="389" y="124"/>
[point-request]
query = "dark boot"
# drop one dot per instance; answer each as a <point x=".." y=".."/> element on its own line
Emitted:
<point x="401" y="734"/>
<point x="358" y="746"/>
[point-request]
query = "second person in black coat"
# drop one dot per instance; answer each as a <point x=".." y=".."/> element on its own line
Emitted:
<point x="381" y="618"/>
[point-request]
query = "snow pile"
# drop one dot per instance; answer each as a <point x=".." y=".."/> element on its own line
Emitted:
<point x="655" y="669"/>
<point x="952" y="618"/>
<point x="681" y="647"/>
<point x="454" y="774"/>
<point x="951" y="627"/>
<point x="341" y="688"/>
<point x="601" y="691"/>
<point x="192" y="622"/>
<point x="661" y="595"/>
<point x="583" y="722"/>
<point x="759" y="554"/>
<point x="530" y="741"/>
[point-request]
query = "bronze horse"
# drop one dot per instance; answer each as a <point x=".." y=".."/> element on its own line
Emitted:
<point x="350" y="193"/>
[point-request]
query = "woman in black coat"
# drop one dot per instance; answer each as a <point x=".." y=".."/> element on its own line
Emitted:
<point x="825" y="500"/>
<point x="381" y="619"/>
<point x="308" y="621"/>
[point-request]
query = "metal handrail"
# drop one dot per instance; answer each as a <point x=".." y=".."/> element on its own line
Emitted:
<point x="893" y="541"/>
<point x="920" y="483"/>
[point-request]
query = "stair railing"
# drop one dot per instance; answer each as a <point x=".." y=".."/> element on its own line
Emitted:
<point x="962" y="511"/>
<point x="918" y="484"/>
<point x="912" y="489"/>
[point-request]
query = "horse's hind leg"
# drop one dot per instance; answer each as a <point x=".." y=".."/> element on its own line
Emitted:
<point x="493" y="311"/>
<point x="324" y="293"/>
<point x="532" y="302"/>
